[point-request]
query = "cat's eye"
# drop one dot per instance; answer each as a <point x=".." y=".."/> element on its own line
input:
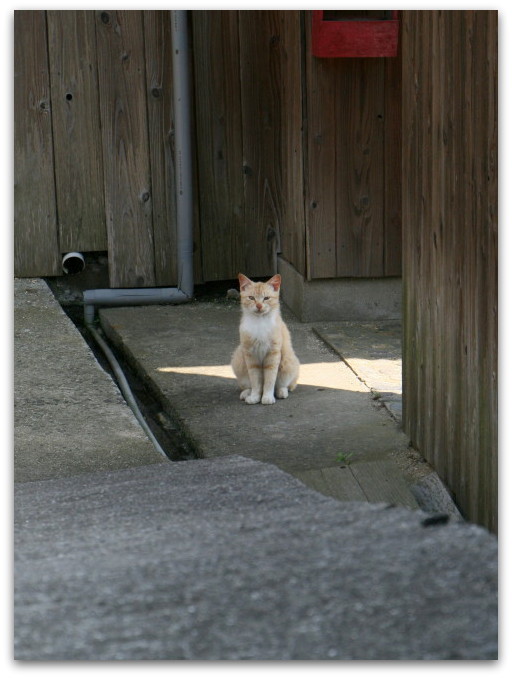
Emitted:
<point x="266" y="298"/>
<point x="251" y="298"/>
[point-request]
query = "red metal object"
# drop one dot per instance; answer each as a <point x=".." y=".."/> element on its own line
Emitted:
<point x="354" y="38"/>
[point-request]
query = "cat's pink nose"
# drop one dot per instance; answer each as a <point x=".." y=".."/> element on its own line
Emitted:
<point x="259" y="307"/>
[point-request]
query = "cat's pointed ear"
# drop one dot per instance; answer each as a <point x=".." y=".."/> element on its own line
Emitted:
<point x="275" y="282"/>
<point x="244" y="281"/>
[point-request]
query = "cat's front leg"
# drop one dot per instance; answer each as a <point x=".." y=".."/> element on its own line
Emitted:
<point x="256" y="379"/>
<point x="270" y="368"/>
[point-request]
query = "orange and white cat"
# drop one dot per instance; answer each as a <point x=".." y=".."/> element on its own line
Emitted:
<point x="264" y="363"/>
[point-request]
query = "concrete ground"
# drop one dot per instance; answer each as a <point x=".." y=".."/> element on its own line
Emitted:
<point x="373" y="351"/>
<point x="121" y="554"/>
<point x="64" y="403"/>
<point x="331" y="432"/>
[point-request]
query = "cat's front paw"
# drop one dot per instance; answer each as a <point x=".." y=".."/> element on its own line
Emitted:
<point x="244" y="394"/>
<point x="268" y="399"/>
<point x="282" y="392"/>
<point x="252" y="399"/>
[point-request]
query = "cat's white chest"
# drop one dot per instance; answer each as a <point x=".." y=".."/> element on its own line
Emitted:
<point x="260" y="330"/>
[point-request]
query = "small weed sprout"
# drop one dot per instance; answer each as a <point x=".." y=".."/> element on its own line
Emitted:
<point x="344" y="458"/>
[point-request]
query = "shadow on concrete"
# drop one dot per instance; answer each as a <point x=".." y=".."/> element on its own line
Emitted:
<point x="183" y="354"/>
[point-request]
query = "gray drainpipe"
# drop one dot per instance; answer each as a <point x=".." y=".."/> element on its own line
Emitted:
<point x="184" y="197"/>
<point x="184" y="213"/>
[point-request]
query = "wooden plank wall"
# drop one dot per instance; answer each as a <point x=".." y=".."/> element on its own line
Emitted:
<point x="94" y="156"/>
<point x="295" y="155"/>
<point x="219" y="138"/>
<point x="35" y="215"/>
<point x="157" y="46"/>
<point x="353" y="165"/>
<point x="249" y="135"/>
<point x="129" y="213"/>
<point x="450" y="250"/>
<point x="76" y="121"/>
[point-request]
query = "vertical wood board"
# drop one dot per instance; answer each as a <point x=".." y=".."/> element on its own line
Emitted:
<point x="359" y="192"/>
<point x="450" y="264"/>
<point x="290" y="150"/>
<point x="219" y="143"/>
<point x="76" y="129"/>
<point x="261" y="96"/>
<point x="159" y="82"/>
<point x="128" y="199"/>
<point x="392" y="207"/>
<point x="36" y="245"/>
<point x="292" y="235"/>
<point x="353" y="165"/>
<point x="320" y="179"/>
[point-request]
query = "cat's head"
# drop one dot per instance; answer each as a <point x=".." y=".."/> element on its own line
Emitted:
<point x="259" y="298"/>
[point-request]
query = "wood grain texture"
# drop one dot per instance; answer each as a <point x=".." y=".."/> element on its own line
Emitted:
<point x="320" y="179"/>
<point x="261" y="96"/>
<point x="128" y="200"/>
<point x="292" y="241"/>
<point x="353" y="165"/>
<point x="450" y="250"/>
<point x="76" y="127"/>
<point x="159" y="78"/>
<point x="36" y="245"/>
<point x="359" y="191"/>
<point x="249" y="134"/>
<point x="295" y="155"/>
<point x="219" y="140"/>
<point x="392" y="123"/>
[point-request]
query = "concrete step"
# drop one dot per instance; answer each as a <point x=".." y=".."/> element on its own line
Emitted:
<point x="69" y="416"/>
<point x="233" y="559"/>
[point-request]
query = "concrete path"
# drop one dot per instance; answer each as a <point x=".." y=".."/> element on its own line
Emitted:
<point x="329" y="432"/>
<point x="373" y="350"/>
<point x="69" y="417"/>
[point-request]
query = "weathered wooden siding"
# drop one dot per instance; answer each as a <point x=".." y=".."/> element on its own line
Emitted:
<point x="450" y="250"/>
<point x="353" y="170"/>
<point x="261" y="136"/>
<point x="295" y="155"/>
<point x="219" y="138"/>
<point x="36" y="249"/>
<point x="76" y="121"/>
<point x="93" y="157"/>
<point x="157" y="51"/>
<point x="249" y="134"/>
<point x="129" y="208"/>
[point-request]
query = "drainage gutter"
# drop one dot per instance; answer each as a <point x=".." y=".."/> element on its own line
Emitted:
<point x="184" y="218"/>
